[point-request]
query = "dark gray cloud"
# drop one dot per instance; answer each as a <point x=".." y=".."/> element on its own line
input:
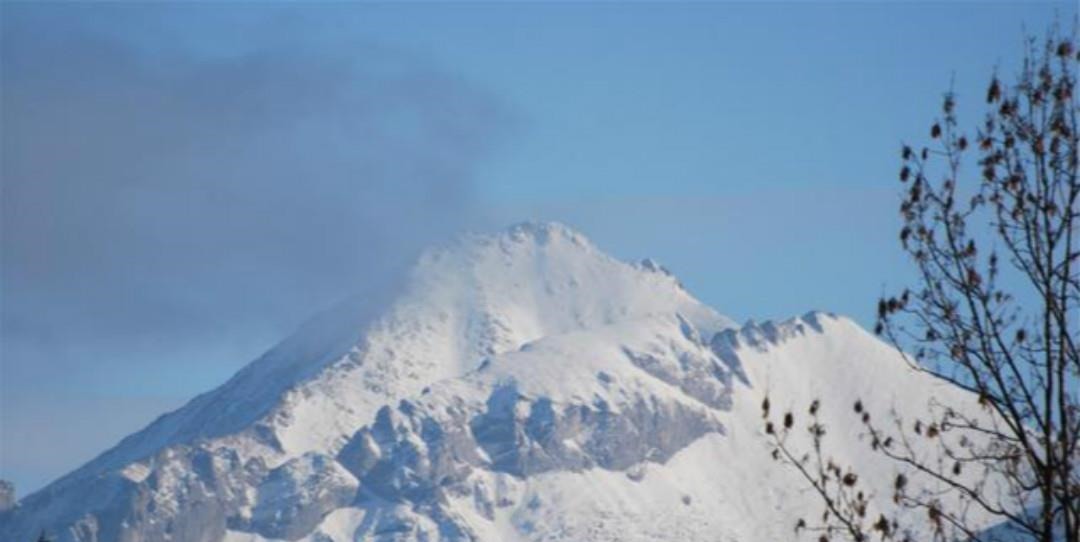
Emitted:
<point x="160" y="203"/>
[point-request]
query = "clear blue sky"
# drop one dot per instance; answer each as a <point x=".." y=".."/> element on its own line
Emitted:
<point x="750" y="147"/>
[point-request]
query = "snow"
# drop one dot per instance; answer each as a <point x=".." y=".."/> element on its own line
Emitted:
<point x="519" y="386"/>
<point x="723" y="486"/>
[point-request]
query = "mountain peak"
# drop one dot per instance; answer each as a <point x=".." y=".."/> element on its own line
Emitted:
<point x="545" y="232"/>
<point x="482" y="295"/>
<point x="509" y="371"/>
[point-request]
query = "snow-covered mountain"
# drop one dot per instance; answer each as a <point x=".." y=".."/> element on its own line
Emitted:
<point x="519" y="386"/>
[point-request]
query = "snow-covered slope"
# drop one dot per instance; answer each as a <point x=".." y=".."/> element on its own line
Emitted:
<point x="519" y="386"/>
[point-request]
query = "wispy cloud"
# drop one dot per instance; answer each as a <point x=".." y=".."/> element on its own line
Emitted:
<point x="156" y="198"/>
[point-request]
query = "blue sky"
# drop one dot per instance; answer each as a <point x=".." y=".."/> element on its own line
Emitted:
<point x="750" y="147"/>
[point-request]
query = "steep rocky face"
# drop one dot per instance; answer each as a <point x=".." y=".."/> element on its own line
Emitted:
<point x="428" y="451"/>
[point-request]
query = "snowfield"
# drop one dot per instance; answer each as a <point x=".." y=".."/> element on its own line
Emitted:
<point x="521" y="386"/>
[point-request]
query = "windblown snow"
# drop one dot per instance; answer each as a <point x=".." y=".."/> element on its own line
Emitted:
<point x="520" y="386"/>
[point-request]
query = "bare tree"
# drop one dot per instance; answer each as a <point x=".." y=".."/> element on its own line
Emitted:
<point x="995" y="310"/>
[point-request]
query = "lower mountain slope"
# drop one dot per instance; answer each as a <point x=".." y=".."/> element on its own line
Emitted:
<point x="644" y="431"/>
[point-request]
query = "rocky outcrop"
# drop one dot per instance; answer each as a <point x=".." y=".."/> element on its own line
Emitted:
<point x="421" y="455"/>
